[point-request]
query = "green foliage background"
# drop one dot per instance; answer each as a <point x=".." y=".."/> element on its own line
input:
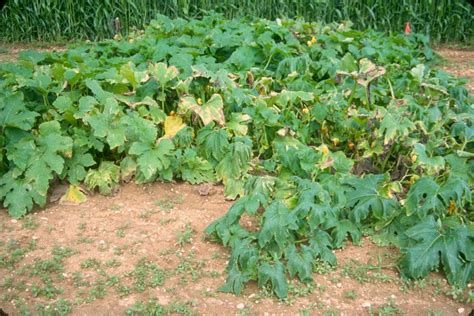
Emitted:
<point x="53" y="20"/>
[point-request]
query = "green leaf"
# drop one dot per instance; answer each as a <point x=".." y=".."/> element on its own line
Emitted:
<point x="461" y="167"/>
<point x="429" y="244"/>
<point x="48" y="159"/>
<point x="348" y="63"/>
<point x="134" y="77"/>
<point x="97" y="90"/>
<point x="343" y="228"/>
<point x="152" y="158"/>
<point x="13" y="112"/>
<point x="107" y="124"/>
<point x="62" y="103"/>
<point x="75" y="167"/>
<point x="423" y="197"/>
<point x="365" y="199"/>
<point x="300" y="263"/>
<point x="195" y="169"/>
<point x="213" y="143"/>
<point x="277" y="224"/>
<point x="18" y="197"/>
<point x="233" y="167"/>
<point x="275" y="274"/>
<point x="105" y="178"/>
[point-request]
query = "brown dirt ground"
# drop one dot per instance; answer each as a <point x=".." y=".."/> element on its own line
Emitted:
<point x="149" y="221"/>
<point x="459" y="62"/>
<point x="145" y="221"/>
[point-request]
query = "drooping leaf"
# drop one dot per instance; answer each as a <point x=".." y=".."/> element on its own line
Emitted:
<point x="275" y="274"/>
<point x="431" y="244"/>
<point x="366" y="199"/>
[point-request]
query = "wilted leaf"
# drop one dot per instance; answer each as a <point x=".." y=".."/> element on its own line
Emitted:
<point x="212" y="110"/>
<point x="74" y="195"/>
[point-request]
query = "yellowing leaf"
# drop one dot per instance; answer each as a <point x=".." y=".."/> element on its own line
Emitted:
<point x="212" y="110"/>
<point x="173" y="124"/>
<point x="73" y="195"/>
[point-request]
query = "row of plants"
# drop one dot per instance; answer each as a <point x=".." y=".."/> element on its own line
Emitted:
<point x="59" y="20"/>
<point x="321" y="133"/>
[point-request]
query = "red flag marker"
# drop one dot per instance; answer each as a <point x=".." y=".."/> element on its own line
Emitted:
<point x="407" y="28"/>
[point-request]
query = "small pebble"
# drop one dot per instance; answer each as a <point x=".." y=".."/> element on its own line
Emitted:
<point x="461" y="310"/>
<point x="14" y="221"/>
<point x="240" y="306"/>
<point x="393" y="296"/>
<point x="339" y="285"/>
<point x="366" y="305"/>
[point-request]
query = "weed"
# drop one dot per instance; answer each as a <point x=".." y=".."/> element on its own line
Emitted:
<point x="364" y="273"/>
<point x="91" y="263"/>
<point x="118" y="251"/>
<point x="29" y="223"/>
<point x="146" y="214"/>
<point x="389" y="308"/>
<point x="113" y="263"/>
<point x="151" y="308"/>
<point x="166" y="221"/>
<point x="189" y="267"/>
<point x="120" y="233"/>
<point x="168" y="203"/>
<point x="85" y="240"/>
<point x="60" y="253"/>
<point x="78" y="280"/>
<point x="48" y="290"/>
<point x="184" y="237"/>
<point x="15" y="253"/>
<point x="82" y="227"/>
<point x="61" y="307"/>
<point x="307" y="311"/>
<point x="351" y="294"/>
<point x="98" y="291"/>
<point x="146" y="275"/>
<point x="215" y="274"/>
<point x="112" y="280"/>
<point x="322" y="267"/>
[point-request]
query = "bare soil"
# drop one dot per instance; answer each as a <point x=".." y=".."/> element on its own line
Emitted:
<point x="149" y="222"/>
<point x="162" y="225"/>
<point x="459" y="62"/>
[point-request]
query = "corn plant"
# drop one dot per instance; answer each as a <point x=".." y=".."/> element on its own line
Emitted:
<point x="53" y="20"/>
